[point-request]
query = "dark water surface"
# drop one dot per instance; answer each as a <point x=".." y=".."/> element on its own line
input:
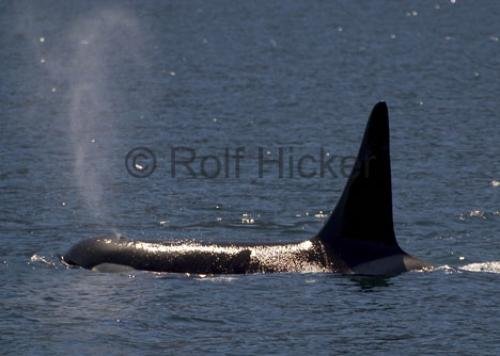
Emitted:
<point x="83" y="83"/>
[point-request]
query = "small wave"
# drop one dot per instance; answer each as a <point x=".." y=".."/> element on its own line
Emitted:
<point x="490" y="267"/>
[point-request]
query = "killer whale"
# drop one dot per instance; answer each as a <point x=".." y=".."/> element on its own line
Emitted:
<point x="357" y="238"/>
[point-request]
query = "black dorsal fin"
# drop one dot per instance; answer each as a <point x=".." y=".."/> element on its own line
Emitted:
<point x="364" y="211"/>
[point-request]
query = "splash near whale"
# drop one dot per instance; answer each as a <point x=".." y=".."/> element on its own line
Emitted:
<point x="357" y="238"/>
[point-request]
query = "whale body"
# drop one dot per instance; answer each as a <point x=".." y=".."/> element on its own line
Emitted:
<point x="357" y="238"/>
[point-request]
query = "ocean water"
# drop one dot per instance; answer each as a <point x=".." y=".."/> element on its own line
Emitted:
<point x="82" y="84"/>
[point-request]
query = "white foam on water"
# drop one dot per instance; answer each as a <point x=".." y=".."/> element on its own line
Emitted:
<point x="445" y="268"/>
<point x="216" y="278"/>
<point x="321" y="215"/>
<point x="489" y="267"/>
<point x="247" y="219"/>
<point x="42" y="260"/>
